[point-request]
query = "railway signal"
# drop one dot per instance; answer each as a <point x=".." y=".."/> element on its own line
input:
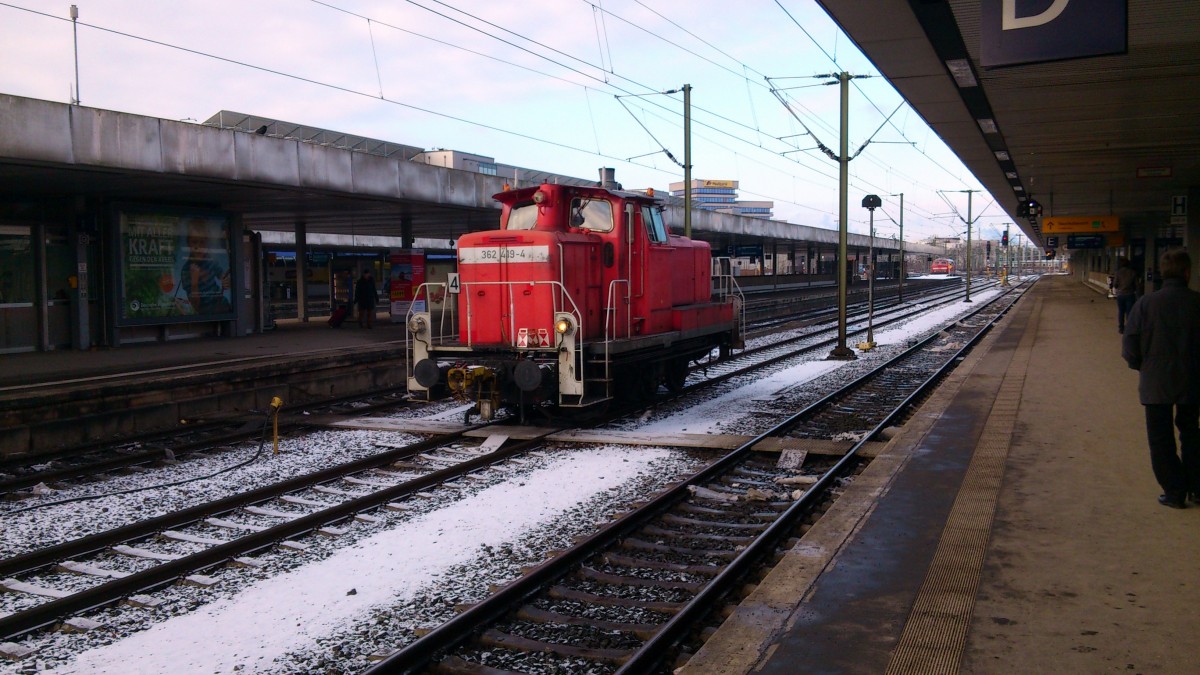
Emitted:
<point x="870" y="202"/>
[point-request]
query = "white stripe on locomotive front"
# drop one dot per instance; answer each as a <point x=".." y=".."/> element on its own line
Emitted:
<point x="492" y="254"/>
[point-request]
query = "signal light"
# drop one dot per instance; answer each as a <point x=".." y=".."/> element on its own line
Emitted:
<point x="1029" y="208"/>
<point x="1004" y="238"/>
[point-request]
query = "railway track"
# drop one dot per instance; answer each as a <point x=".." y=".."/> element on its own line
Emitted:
<point x="181" y="546"/>
<point x="208" y="436"/>
<point x="176" y="445"/>
<point x="133" y="560"/>
<point x="810" y="339"/>
<point x="628" y="598"/>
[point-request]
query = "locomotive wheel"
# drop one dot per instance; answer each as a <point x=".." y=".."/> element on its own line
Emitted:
<point x="647" y="384"/>
<point x="639" y="384"/>
<point x="676" y="372"/>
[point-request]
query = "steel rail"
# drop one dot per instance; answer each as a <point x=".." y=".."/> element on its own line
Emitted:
<point x="652" y="652"/>
<point x="48" y="613"/>
<point x="161" y="441"/>
<point x="462" y="627"/>
<point x="792" y="353"/>
<point x="34" y="560"/>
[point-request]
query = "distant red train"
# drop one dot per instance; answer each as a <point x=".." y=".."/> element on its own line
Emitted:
<point x="582" y="296"/>
<point x="941" y="266"/>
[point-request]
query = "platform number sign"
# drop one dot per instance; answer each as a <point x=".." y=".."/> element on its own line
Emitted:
<point x="1179" y="210"/>
<point x="452" y="283"/>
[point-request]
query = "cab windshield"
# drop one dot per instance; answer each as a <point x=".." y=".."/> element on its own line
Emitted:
<point x="522" y="216"/>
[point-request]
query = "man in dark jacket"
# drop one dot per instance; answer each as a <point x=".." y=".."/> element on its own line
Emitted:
<point x="364" y="297"/>
<point x="1162" y="342"/>
<point x="1125" y="290"/>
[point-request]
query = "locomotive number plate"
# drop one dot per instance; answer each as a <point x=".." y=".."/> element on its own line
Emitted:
<point x="494" y="254"/>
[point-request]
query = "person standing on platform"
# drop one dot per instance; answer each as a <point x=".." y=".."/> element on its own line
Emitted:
<point x="1162" y="342"/>
<point x="1125" y="290"/>
<point x="364" y="296"/>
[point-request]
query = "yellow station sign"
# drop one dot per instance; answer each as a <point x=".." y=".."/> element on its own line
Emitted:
<point x="1077" y="224"/>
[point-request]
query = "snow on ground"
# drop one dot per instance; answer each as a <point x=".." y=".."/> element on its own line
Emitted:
<point x="931" y="320"/>
<point x="286" y="622"/>
<point x="287" y="612"/>
<point x="52" y="518"/>
<point x="714" y="415"/>
<point x="709" y="416"/>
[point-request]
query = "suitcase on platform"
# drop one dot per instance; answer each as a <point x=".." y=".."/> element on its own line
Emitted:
<point x="338" y="317"/>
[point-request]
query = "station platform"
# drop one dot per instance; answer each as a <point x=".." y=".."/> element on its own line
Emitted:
<point x="1011" y="526"/>
<point x="290" y="338"/>
<point x="56" y="402"/>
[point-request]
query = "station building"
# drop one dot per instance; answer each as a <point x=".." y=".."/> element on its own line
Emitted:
<point x="120" y="229"/>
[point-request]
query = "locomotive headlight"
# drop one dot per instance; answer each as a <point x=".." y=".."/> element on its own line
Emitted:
<point x="562" y="326"/>
<point x="539" y="197"/>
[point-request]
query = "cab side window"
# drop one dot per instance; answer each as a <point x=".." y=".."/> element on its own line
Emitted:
<point x="592" y="214"/>
<point x="655" y="228"/>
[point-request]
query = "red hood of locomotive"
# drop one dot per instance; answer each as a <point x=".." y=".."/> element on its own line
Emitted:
<point x="510" y="284"/>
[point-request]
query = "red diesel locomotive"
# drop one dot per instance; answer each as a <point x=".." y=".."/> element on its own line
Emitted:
<point x="941" y="266"/>
<point x="580" y="297"/>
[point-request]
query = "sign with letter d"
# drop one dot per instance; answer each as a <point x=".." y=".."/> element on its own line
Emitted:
<point x="1030" y="31"/>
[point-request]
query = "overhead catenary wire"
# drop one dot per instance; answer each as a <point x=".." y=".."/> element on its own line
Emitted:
<point x="833" y="59"/>
<point x="573" y="69"/>
<point x="582" y="61"/>
<point x="374" y="22"/>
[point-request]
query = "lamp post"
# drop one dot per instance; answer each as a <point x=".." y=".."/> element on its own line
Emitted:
<point x="841" y="351"/>
<point x="900" y="294"/>
<point x="75" y="33"/>
<point x="1020" y="257"/>
<point x="870" y="202"/>
<point x="1007" y="258"/>
<point x="969" y="194"/>
<point x="687" y="160"/>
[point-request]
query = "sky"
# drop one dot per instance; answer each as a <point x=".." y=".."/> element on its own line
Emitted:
<point x="532" y="83"/>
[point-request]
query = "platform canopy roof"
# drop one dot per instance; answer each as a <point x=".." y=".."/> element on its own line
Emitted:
<point x="1100" y="134"/>
<point x="277" y="176"/>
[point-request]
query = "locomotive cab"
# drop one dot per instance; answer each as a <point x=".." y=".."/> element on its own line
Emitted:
<point x="581" y="296"/>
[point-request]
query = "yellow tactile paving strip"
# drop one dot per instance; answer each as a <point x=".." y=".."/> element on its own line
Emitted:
<point x="935" y="634"/>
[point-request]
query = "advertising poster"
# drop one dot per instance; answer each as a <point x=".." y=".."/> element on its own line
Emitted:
<point x="407" y="274"/>
<point x="174" y="267"/>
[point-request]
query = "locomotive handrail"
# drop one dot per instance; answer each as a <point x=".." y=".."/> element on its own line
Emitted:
<point x="423" y="290"/>
<point x="727" y="287"/>
<point x="611" y="318"/>
<point x="612" y="310"/>
<point x="726" y="284"/>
